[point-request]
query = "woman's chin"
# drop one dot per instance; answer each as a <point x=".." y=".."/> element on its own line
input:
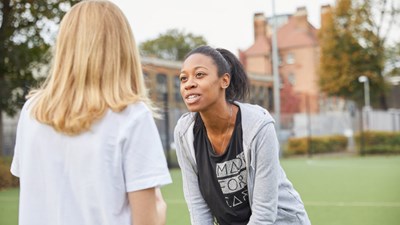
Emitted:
<point x="192" y="108"/>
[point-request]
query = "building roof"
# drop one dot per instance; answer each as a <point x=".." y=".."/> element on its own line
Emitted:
<point x="261" y="46"/>
<point x="293" y="31"/>
<point x="293" y="34"/>
<point x="161" y="62"/>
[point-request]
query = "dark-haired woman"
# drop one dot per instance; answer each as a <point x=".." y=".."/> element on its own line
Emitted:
<point x="228" y="151"/>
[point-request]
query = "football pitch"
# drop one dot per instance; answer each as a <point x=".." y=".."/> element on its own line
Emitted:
<point x="335" y="191"/>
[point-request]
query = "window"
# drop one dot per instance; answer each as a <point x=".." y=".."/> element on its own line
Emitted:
<point x="177" y="85"/>
<point x="270" y="98"/>
<point x="162" y="87"/>
<point x="161" y="79"/>
<point x="147" y="82"/>
<point x="262" y="96"/>
<point x="292" y="78"/>
<point x="253" y="93"/>
<point x="290" y="58"/>
<point x="145" y="76"/>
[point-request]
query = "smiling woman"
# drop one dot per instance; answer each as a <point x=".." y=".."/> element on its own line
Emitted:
<point x="227" y="150"/>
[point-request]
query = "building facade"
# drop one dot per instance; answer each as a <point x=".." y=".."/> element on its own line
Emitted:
<point x="298" y="50"/>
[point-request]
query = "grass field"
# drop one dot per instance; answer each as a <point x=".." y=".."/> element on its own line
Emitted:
<point x="336" y="191"/>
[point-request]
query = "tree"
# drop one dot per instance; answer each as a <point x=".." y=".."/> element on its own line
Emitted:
<point x="171" y="45"/>
<point x="392" y="67"/>
<point x="354" y="39"/>
<point x="27" y="31"/>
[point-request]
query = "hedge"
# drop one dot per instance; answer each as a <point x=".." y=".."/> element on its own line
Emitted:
<point x="323" y="144"/>
<point x="7" y="180"/>
<point x="379" y="142"/>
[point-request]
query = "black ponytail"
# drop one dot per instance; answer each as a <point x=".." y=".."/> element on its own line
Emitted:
<point x="239" y="86"/>
<point x="227" y="62"/>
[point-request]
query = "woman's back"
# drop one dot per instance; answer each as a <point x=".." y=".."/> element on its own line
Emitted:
<point x="84" y="179"/>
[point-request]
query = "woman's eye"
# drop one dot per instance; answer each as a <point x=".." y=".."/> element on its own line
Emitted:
<point x="199" y="74"/>
<point x="183" y="79"/>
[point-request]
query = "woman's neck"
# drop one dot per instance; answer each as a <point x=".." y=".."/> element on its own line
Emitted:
<point x="218" y="119"/>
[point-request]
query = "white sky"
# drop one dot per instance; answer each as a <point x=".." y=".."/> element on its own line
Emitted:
<point x="223" y="23"/>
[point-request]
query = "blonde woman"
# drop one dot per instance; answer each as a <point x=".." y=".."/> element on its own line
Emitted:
<point x="87" y="149"/>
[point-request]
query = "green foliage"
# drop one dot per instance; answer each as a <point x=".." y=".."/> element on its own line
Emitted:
<point x="353" y="44"/>
<point x="171" y="45"/>
<point x="393" y="61"/>
<point x="26" y="34"/>
<point x="326" y="144"/>
<point x="379" y="142"/>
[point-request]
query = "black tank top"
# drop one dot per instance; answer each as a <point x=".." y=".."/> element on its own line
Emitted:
<point x="223" y="178"/>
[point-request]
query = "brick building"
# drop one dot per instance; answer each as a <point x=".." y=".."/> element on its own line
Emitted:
<point x="298" y="50"/>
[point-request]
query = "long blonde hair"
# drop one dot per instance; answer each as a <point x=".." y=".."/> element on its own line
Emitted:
<point x="96" y="67"/>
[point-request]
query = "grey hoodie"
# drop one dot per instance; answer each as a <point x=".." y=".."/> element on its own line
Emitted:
<point x="273" y="200"/>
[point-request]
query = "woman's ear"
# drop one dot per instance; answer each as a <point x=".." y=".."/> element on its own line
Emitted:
<point x="225" y="80"/>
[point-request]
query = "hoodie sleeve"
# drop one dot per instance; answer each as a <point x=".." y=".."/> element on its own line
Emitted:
<point x="266" y="182"/>
<point x="199" y="212"/>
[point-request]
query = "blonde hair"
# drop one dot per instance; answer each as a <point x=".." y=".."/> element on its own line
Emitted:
<point x="96" y="67"/>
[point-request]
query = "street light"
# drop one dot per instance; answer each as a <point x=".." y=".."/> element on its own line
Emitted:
<point x="364" y="79"/>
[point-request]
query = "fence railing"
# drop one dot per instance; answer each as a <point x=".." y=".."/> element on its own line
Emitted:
<point x="293" y="125"/>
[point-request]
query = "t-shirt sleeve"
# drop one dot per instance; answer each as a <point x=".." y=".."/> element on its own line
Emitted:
<point x="15" y="162"/>
<point x="144" y="162"/>
<point x="15" y="165"/>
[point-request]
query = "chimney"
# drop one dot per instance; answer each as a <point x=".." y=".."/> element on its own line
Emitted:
<point x="259" y="25"/>
<point x="242" y="58"/>
<point x="300" y="18"/>
<point x="326" y="12"/>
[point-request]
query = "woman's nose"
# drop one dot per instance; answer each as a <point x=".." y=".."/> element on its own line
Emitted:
<point x="190" y="84"/>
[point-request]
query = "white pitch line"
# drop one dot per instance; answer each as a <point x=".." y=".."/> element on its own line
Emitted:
<point x="354" y="204"/>
<point x="335" y="204"/>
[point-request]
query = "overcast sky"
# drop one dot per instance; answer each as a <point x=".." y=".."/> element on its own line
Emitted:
<point x="223" y="23"/>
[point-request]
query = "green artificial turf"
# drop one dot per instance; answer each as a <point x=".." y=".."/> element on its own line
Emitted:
<point x="336" y="191"/>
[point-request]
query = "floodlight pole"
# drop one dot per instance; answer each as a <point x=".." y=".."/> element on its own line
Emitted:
<point x="365" y="80"/>
<point x="277" y="109"/>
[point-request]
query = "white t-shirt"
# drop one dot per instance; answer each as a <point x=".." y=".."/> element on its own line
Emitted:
<point x="84" y="179"/>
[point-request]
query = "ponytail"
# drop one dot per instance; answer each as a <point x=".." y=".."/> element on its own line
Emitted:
<point x="239" y="85"/>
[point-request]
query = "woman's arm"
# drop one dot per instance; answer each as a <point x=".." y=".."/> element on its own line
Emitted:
<point x="265" y="194"/>
<point x="148" y="207"/>
<point x="199" y="211"/>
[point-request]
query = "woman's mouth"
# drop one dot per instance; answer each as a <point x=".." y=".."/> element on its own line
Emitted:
<point x="192" y="98"/>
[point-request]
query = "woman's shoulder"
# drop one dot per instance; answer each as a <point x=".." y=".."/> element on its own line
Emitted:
<point x="184" y="122"/>
<point x="29" y="103"/>
<point x="254" y="118"/>
<point x="138" y="108"/>
<point x="132" y="112"/>
<point x="253" y="112"/>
